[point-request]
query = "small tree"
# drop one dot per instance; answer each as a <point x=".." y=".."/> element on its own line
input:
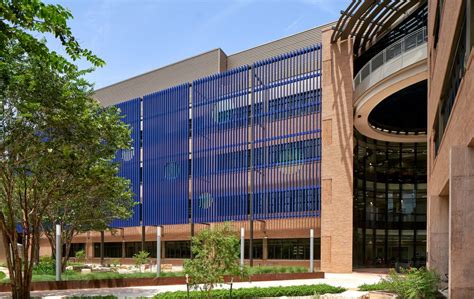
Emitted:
<point x="216" y="253"/>
<point x="141" y="258"/>
<point x="80" y="256"/>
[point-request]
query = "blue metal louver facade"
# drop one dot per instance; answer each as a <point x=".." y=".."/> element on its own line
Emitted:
<point x="129" y="160"/>
<point x="256" y="139"/>
<point x="286" y="157"/>
<point x="220" y="147"/>
<point x="165" y="156"/>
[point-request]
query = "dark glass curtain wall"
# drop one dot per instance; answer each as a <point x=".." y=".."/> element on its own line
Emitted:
<point x="389" y="203"/>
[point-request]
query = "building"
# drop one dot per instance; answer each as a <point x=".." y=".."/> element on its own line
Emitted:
<point x="451" y="144"/>
<point x="361" y="130"/>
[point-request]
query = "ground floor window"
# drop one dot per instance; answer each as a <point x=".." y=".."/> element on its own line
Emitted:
<point x="292" y="249"/>
<point x="178" y="249"/>
<point x="75" y="247"/>
<point x="257" y="249"/>
<point x="111" y="249"/>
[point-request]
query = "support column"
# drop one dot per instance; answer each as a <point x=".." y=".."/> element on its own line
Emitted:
<point x="102" y="247"/>
<point x="265" y="248"/>
<point x="124" y="252"/>
<point x="143" y="238"/>
<point x="461" y="224"/>
<point x="89" y="247"/>
<point x="438" y="234"/>
<point x="337" y="155"/>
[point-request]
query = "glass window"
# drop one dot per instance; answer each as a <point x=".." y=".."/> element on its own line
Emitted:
<point x="292" y="249"/>
<point x="111" y="249"/>
<point x="178" y="249"/>
<point x="389" y="202"/>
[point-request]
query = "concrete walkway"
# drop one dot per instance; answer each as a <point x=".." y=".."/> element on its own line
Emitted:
<point x="349" y="281"/>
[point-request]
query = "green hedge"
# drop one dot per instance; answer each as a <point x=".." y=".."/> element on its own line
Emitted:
<point x="302" y="290"/>
<point x="2" y="275"/>
<point x="276" y="269"/>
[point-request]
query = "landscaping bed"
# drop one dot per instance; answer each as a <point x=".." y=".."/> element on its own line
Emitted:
<point x="88" y="282"/>
<point x="302" y="290"/>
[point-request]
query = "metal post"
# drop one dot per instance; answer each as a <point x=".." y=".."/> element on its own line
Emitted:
<point x="242" y="248"/>
<point x="158" y="251"/>
<point x="58" y="252"/>
<point x="143" y="237"/>
<point x="311" y="250"/>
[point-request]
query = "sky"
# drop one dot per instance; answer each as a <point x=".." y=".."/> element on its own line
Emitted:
<point x="137" y="36"/>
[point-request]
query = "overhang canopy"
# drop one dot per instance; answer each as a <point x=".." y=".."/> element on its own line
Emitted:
<point x="368" y="20"/>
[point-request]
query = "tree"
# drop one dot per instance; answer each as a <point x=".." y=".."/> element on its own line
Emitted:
<point x="216" y="253"/>
<point x="141" y="258"/>
<point x="91" y="195"/>
<point x="18" y="18"/>
<point x="53" y="133"/>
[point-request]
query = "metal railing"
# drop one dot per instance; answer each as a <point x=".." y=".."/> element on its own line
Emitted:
<point x="405" y="44"/>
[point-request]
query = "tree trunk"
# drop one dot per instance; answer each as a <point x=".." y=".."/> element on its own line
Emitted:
<point x="20" y="292"/>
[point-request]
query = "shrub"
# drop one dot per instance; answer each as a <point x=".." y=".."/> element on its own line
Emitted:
<point x="216" y="253"/>
<point x="80" y="255"/>
<point x="141" y="258"/>
<point x="411" y="283"/>
<point x="46" y="265"/>
<point x="276" y="269"/>
<point x="414" y="283"/>
<point x="303" y="290"/>
<point x="2" y="275"/>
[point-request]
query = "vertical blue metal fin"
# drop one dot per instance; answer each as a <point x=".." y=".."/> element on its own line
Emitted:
<point x="220" y="135"/>
<point x="129" y="160"/>
<point x="165" y="156"/>
<point x="287" y="130"/>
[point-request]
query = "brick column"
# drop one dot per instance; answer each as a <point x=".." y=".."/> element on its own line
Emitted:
<point x="337" y="156"/>
<point x="265" y="248"/>
<point x="461" y="222"/>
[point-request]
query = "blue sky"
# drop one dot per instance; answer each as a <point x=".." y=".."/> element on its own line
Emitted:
<point x="136" y="36"/>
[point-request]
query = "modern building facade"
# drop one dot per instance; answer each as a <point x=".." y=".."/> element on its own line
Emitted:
<point x="361" y="130"/>
<point x="451" y="144"/>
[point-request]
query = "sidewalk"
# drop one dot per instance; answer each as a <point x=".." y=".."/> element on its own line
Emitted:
<point x="349" y="281"/>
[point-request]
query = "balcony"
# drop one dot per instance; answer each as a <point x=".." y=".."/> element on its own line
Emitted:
<point x="403" y="53"/>
<point x="397" y="67"/>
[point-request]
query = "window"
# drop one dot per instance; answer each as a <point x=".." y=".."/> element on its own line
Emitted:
<point x="257" y="249"/>
<point x="111" y="249"/>
<point x="75" y="247"/>
<point x="437" y="23"/>
<point x="451" y="86"/>
<point x="178" y="249"/>
<point x="292" y="249"/>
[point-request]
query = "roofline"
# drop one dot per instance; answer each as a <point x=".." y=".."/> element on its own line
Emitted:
<point x="206" y="52"/>
<point x="267" y="43"/>
<point x="157" y="69"/>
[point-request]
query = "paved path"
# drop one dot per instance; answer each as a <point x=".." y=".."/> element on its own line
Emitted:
<point x="349" y="281"/>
